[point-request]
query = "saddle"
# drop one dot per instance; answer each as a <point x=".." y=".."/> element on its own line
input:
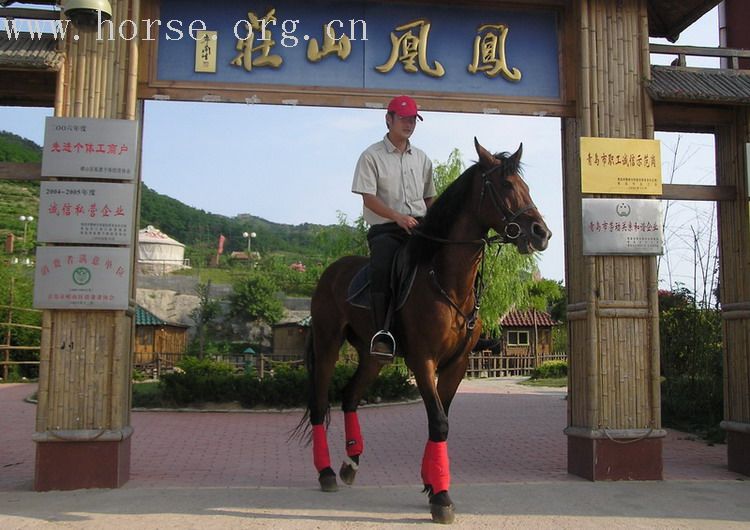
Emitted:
<point x="403" y="273"/>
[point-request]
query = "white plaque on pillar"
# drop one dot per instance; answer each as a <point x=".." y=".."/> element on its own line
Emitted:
<point x="622" y="226"/>
<point x="90" y="148"/>
<point x="82" y="278"/>
<point x="86" y="213"/>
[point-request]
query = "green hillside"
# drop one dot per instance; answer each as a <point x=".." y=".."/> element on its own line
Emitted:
<point x="14" y="148"/>
<point x="196" y="228"/>
<point x="17" y="198"/>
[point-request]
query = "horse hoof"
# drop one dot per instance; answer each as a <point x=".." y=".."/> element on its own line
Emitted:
<point x="347" y="474"/>
<point x="327" y="479"/>
<point x="442" y="514"/>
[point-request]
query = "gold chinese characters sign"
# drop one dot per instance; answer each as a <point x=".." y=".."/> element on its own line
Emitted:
<point x="620" y="166"/>
<point x="354" y="46"/>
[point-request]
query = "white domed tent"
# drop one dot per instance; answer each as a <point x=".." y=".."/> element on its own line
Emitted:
<point x="158" y="253"/>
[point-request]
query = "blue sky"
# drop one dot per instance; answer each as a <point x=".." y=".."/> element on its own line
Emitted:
<point x="294" y="164"/>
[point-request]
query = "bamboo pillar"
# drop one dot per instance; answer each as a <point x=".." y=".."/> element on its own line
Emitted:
<point x="614" y="425"/>
<point x="734" y="241"/>
<point x="83" y="417"/>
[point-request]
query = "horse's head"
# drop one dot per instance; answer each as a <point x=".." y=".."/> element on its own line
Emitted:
<point x="505" y="204"/>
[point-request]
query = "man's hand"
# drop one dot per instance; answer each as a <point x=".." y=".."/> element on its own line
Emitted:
<point x="407" y="222"/>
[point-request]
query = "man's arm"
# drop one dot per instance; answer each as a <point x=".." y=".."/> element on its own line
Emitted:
<point x="377" y="206"/>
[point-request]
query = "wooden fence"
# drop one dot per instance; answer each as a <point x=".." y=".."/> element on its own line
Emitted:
<point x="153" y="364"/>
<point x="7" y="347"/>
<point x="485" y="364"/>
<point x="482" y="364"/>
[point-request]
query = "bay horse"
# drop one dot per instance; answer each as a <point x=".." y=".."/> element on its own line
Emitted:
<point x="438" y="324"/>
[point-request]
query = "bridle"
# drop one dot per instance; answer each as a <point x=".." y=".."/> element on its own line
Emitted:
<point x="512" y="229"/>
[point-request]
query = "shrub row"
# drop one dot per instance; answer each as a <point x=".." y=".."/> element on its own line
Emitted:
<point x="692" y="365"/>
<point x="200" y="381"/>
<point x="550" y="370"/>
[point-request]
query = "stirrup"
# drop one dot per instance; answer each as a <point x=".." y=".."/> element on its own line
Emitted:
<point x="380" y="336"/>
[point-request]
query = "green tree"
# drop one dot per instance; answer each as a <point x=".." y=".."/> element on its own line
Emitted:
<point x="254" y="298"/>
<point x="446" y="172"/>
<point x="342" y="239"/>
<point x="204" y="315"/>
<point x="549" y="295"/>
<point x="691" y="363"/>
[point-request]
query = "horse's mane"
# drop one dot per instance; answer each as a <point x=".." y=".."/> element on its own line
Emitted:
<point x="443" y="212"/>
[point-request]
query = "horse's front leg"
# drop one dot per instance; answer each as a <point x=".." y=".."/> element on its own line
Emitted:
<point x="435" y="462"/>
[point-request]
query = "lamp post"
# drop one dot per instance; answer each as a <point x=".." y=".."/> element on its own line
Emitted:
<point x="249" y="236"/>
<point x="25" y="219"/>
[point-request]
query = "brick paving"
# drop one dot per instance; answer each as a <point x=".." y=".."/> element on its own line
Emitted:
<point x="499" y="432"/>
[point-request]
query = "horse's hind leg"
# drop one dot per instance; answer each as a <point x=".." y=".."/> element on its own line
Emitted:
<point x="325" y="355"/>
<point x="366" y="373"/>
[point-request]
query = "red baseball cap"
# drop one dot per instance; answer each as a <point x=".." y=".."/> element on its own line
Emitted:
<point x="404" y="106"/>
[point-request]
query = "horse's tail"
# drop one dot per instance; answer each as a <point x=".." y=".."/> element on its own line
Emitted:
<point x="303" y="431"/>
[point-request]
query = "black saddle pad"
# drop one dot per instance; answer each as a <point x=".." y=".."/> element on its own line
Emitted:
<point x="402" y="279"/>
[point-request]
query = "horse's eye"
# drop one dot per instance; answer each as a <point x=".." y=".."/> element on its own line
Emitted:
<point x="507" y="185"/>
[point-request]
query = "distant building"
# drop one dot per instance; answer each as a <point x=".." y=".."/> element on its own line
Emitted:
<point x="527" y="333"/>
<point x="290" y="334"/>
<point x="158" y="343"/>
<point x="158" y="253"/>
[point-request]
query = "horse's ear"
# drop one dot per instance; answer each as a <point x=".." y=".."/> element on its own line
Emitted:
<point x="485" y="157"/>
<point x="516" y="157"/>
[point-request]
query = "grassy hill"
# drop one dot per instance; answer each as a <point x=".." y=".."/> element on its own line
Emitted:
<point x="17" y="198"/>
<point x="197" y="229"/>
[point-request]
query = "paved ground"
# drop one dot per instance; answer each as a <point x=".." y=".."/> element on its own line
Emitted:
<point x="508" y="462"/>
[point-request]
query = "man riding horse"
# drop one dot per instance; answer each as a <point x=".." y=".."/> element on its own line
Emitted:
<point x="395" y="181"/>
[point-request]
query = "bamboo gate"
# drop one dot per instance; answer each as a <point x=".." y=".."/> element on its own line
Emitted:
<point x="614" y="424"/>
<point x="613" y="305"/>
<point x="83" y="429"/>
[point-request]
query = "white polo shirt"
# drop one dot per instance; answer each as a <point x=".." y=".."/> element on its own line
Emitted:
<point x="401" y="180"/>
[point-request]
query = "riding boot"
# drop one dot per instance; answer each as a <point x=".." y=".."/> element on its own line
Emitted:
<point x="382" y="345"/>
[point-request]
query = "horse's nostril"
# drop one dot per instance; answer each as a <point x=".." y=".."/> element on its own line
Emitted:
<point x="541" y="231"/>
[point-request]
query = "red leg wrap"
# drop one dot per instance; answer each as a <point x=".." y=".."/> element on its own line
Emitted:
<point x="438" y="469"/>
<point x="321" y="458"/>
<point x="355" y="445"/>
<point x="427" y="460"/>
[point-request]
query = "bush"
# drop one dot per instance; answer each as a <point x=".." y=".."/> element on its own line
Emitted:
<point x="147" y="395"/>
<point x="550" y="370"/>
<point x="199" y="380"/>
<point x="210" y="381"/>
<point x="204" y="367"/>
<point x="287" y="388"/>
<point x="692" y="364"/>
<point x="249" y="391"/>
<point x="392" y="383"/>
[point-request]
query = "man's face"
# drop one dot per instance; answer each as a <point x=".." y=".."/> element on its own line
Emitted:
<point x="401" y="126"/>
